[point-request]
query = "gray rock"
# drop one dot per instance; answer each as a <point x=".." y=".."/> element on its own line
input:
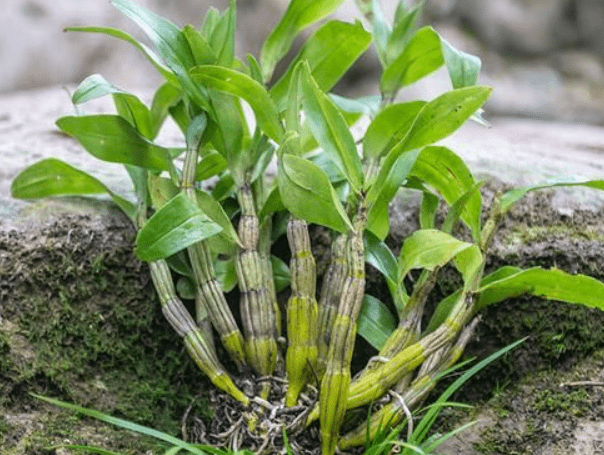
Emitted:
<point x="527" y="26"/>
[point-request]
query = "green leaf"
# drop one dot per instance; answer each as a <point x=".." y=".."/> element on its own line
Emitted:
<point x="404" y="23"/>
<point x="299" y="15"/>
<point x="226" y="274"/>
<point x="161" y="190"/>
<point x="151" y="55"/>
<point x="463" y="68"/>
<point x="380" y="256"/>
<point x="222" y="39"/>
<point x="330" y="130"/>
<point x="422" y="56"/>
<point x="212" y="163"/>
<point x="167" y="38"/>
<point x="380" y="32"/>
<point x="390" y="127"/>
<point x="376" y="322"/>
<point x="177" y="225"/>
<point x="53" y="177"/>
<point x="442" y="116"/>
<point x="281" y="273"/>
<point x="124" y="424"/>
<point x="135" y="112"/>
<point x="458" y="207"/>
<point x="368" y="105"/>
<point x="111" y="138"/>
<point x="383" y="191"/>
<point x="552" y="284"/>
<point x="214" y="211"/>
<point x="203" y="54"/>
<point x="513" y="196"/>
<point x="243" y="86"/>
<point x="428" y="210"/>
<point x="448" y="174"/>
<point x="330" y="52"/>
<point x="428" y="249"/>
<point x="307" y="193"/>
<point x="436" y="120"/>
<point x="94" y="86"/>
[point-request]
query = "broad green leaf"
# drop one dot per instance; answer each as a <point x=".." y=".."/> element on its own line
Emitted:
<point x="368" y="105"/>
<point x="428" y="249"/>
<point x="307" y="193"/>
<point x="212" y="163"/>
<point x="255" y="70"/>
<point x="242" y="86"/>
<point x="214" y="211"/>
<point x="330" y="52"/>
<point x="281" y="273"/>
<point x="93" y="87"/>
<point x="390" y="127"/>
<point x="226" y="274"/>
<point x="422" y="56"/>
<point x="463" y="68"/>
<point x="402" y="30"/>
<point x="185" y="288"/>
<point x="427" y="212"/>
<point x="445" y="305"/>
<point x="167" y="38"/>
<point x="552" y="284"/>
<point x="53" y="177"/>
<point x="161" y="190"/>
<point x="209" y="22"/>
<point x="469" y="262"/>
<point x="376" y="322"/>
<point x="111" y="138"/>
<point x="135" y="112"/>
<point x="203" y="54"/>
<point x="171" y="44"/>
<point x="442" y="116"/>
<point x="380" y="256"/>
<point x="383" y="191"/>
<point x="177" y="225"/>
<point x="299" y="15"/>
<point x="513" y="196"/>
<point x="380" y="31"/>
<point x="222" y="39"/>
<point x="230" y="129"/>
<point x="448" y="174"/>
<point x="330" y="130"/>
<point x="151" y="55"/>
<point x="435" y="121"/>
<point x="457" y="209"/>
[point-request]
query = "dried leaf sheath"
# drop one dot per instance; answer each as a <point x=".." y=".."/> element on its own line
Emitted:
<point x="196" y="343"/>
<point x="336" y="381"/>
<point x="257" y="302"/>
<point x="301" y="357"/>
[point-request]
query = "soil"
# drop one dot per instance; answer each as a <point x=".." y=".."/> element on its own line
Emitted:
<point x="79" y="321"/>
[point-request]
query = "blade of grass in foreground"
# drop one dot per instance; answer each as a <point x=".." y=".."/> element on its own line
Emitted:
<point x="124" y="424"/>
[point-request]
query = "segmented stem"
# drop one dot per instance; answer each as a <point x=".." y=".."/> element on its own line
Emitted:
<point x="301" y="357"/>
<point x="336" y="381"/>
<point x="258" y="301"/>
<point x="196" y="342"/>
<point x="410" y="396"/>
<point x="331" y="291"/>
<point x="209" y="292"/>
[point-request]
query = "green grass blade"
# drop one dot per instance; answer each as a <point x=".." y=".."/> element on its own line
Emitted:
<point x="124" y="424"/>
